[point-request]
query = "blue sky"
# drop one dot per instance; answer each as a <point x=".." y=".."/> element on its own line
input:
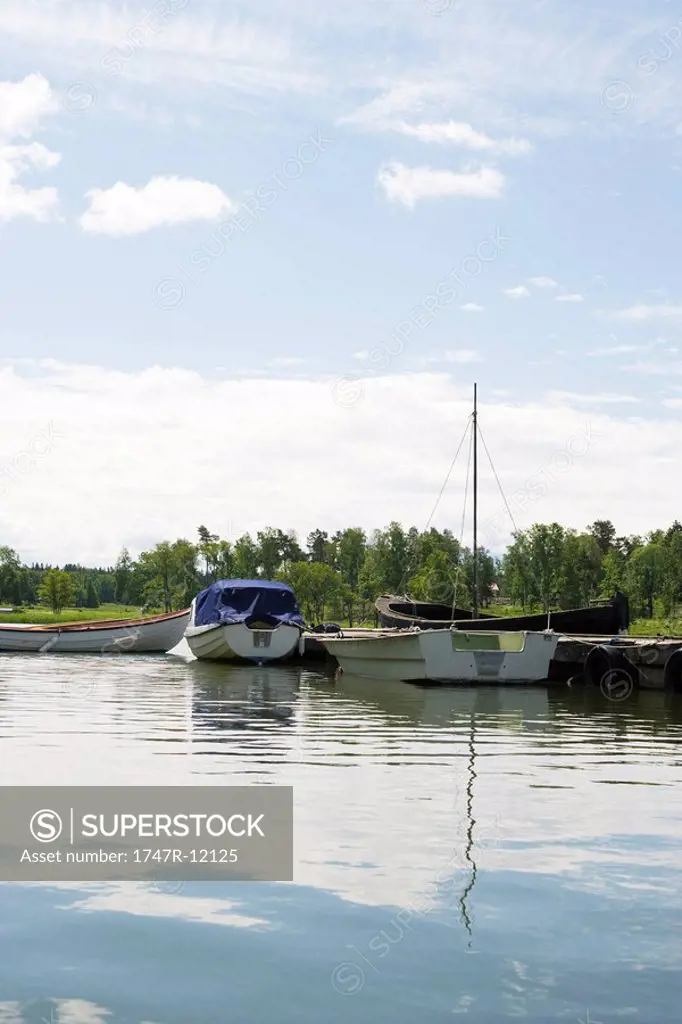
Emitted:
<point x="435" y="125"/>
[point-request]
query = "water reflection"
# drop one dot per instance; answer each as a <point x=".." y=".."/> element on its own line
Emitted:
<point x="440" y="705"/>
<point x="239" y="698"/>
<point x="500" y="852"/>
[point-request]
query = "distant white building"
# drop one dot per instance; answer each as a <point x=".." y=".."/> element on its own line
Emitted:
<point x="495" y="595"/>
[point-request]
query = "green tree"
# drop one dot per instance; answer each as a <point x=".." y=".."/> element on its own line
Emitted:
<point x="270" y="551"/>
<point x="614" y="565"/>
<point x="627" y="545"/>
<point x="105" y="585"/>
<point x="186" y="582"/>
<point x="222" y="561"/>
<point x="517" y="571"/>
<point x="208" y="548"/>
<point x="392" y="559"/>
<point x="643" y="577"/>
<point x="582" y="569"/>
<point x="91" y="598"/>
<point x="546" y="542"/>
<point x="347" y="600"/>
<point x="350" y="546"/>
<point x="123" y="571"/>
<point x="246" y="558"/>
<point x="604" y="533"/>
<point x="290" y="549"/>
<point x="11" y="575"/>
<point x="318" y="545"/>
<point x="671" y="569"/>
<point x="316" y="585"/>
<point x="159" y="568"/>
<point x="56" y="589"/>
<point x="370" y="582"/>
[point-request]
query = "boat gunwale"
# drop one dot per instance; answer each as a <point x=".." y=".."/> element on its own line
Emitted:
<point x="406" y="634"/>
<point x="567" y="617"/>
<point x="91" y="625"/>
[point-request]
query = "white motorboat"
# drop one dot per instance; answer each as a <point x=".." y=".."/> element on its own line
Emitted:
<point x="446" y="655"/>
<point x="450" y="654"/>
<point x="152" y="634"/>
<point x="256" y="621"/>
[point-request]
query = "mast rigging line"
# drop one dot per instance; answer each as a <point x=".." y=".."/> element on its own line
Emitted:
<point x="442" y="490"/>
<point x="458" y="568"/>
<point x="447" y="478"/>
<point x="497" y="480"/>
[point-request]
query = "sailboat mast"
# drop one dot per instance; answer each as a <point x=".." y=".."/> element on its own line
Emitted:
<point x="474" y="602"/>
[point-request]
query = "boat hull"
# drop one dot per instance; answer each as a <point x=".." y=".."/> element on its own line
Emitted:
<point x="154" y="635"/>
<point x="447" y="656"/>
<point x="237" y="642"/>
<point x="401" y="613"/>
<point x="605" y="620"/>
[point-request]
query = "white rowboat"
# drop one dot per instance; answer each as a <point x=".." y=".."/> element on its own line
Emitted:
<point x="154" y="634"/>
<point x="239" y="642"/>
<point x="256" y="621"/>
<point x="446" y="656"/>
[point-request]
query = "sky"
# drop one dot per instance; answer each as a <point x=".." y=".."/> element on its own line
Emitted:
<point x="254" y="257"/>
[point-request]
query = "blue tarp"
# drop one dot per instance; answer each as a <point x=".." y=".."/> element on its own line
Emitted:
<point x="231" y="601"/>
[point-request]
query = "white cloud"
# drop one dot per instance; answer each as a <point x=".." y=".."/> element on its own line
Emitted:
<point x="483" y="66"/>
<point x="132" y="461"/>
<point x="462" y="355"/>
<point x="23" y="105"/>
<point x="407" y="185"/>
<point x="406" y="97"/>
<point x="16" y="200"/>
<point x="614" y="350"/>
<point x="287" y="361"/>
<point x="163" y="201"/>
<point x="573" y="297"/>
<point x="460" y="134"/>
<point x="106" y="44"/>
<point x="471" y="307"/>
<point x="672" y="403"/>
<point x="520" y="292"/>
<point x="602" y="398"/>
<point x="642" y="312"/>
<point x="543" y="282"/>
<point x="666" y="369"/>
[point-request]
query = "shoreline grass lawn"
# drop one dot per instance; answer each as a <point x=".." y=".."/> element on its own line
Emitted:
<point x="41" y="616"/>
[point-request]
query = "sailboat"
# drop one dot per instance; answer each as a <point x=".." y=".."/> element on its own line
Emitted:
<point x="449" y="655"/>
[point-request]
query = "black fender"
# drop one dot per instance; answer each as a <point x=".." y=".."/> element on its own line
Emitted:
<point x="608" y="668"/>
<point x="672" y="672"/>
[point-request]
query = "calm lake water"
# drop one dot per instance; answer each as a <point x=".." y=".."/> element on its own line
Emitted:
<point x="481" y="853"/>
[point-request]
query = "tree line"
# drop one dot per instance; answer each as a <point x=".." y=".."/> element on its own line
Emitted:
<point x="342" y="574"/>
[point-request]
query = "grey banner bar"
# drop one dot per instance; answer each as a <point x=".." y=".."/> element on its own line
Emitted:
<point x="146" y="833"/>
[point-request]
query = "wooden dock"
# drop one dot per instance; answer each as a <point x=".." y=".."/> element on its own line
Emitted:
<point x="629" y="662"/>
<point x="648" y="654"/>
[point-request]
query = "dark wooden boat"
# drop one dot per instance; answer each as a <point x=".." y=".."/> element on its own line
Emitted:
<point x="396" y="612"/>
<point x="606" y="619"/>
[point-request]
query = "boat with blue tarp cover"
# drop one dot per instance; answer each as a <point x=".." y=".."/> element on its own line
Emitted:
<point x="245" y="620"/>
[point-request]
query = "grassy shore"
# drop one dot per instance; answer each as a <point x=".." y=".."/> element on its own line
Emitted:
<point x="43" y="617"/>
